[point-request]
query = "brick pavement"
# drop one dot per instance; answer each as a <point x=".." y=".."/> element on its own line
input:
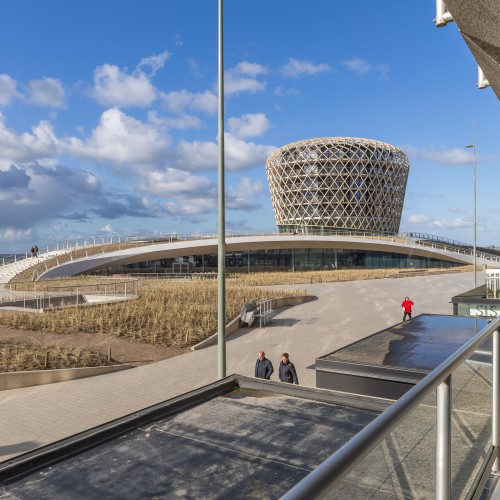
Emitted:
<point x="344" y="312"/>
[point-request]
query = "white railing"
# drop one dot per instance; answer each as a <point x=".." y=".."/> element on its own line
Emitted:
<point x="265" y="311"/>
<point x="106" y="290"/>
<point x="101" y="241"/>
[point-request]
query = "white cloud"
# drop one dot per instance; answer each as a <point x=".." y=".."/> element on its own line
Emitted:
<point x="190" y="207"/>
<point x="174" y="182"/>
<point x="122" y="139"/>
<point x="11" y="234"/>
<point x="197" y="155"/>
<point x="243" y="196"/>
<point x="108" y="228"/>
<point x="39" y="192"/>
<point x="46" y="92"/>
<point x="296" y="68"/>
<point x="179" y="101"/>
<point x="281" y="92"/>
<point x="113" y="87"/>
<point x="433" y="223"/>
<point x="181" y="122"/>
<point x="250" y="69"/>
<point x="419" y="219"/>
<point x="454" y="156"/>
<point x="40" y="143"/>
<point x="8" y="90"/>
<point x="244" y="78"/>
<point x="155" y="63"/>
<point x="239" y="155"/>
<point x="361" y="67"/>
<point x="248" y="125"/>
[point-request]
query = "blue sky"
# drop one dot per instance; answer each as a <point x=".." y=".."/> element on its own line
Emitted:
<point x="108" y="112"/>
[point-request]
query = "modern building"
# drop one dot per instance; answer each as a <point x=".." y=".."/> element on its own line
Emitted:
<point x="479" y="25"/>
<point x="338" y="183"/>
<point x="337" y="203"/>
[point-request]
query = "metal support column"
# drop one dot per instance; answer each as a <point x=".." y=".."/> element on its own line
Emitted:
<point x="443" y="440"/>
<point x="221" y="247"/>
<point x="495" y="417"/>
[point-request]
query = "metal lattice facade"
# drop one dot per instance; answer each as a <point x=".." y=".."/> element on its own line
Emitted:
<point x="338" y="183"/>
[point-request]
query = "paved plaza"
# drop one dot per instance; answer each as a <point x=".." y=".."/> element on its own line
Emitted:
<point x="343" y="313"/>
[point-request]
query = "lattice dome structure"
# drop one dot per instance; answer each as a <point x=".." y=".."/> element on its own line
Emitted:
<point x="338" y="183"/>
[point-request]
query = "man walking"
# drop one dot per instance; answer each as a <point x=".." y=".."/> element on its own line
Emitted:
<point x="263" y="367"/>
<point x="406" y="305"/>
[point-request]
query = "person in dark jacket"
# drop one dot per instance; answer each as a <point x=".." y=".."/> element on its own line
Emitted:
<point x="287" y="371"/>
<point x="263" y="367"/>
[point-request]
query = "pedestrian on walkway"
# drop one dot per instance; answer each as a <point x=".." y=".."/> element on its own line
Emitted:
<point x="263" y="367"/>
<point x="406" y="305"/>
<point x="287" y="371"/>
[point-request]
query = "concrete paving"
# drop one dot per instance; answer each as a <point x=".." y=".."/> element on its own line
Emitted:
<point x="343" y="313"/>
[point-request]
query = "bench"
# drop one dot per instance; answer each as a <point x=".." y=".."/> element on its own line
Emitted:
<point x="253" y="310"/>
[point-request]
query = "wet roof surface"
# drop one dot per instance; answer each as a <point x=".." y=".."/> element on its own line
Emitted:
<point x="244" y="444"/>
<point x="419" y="344"/>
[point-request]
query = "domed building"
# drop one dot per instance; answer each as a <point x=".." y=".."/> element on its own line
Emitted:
<point x="338" y="183"/>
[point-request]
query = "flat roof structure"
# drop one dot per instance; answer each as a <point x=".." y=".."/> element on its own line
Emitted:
<point x="236" y="438"/>
<point x="243" y="438"/>
<point x="158" y="251"/>
<point x="474" y="302"/>
<point x="390" y="362"/>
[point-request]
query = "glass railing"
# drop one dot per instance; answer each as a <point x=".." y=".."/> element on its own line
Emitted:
<point x="438" y="440"/>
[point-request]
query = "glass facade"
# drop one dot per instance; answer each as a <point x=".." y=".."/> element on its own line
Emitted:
<point x="299" y="259"/>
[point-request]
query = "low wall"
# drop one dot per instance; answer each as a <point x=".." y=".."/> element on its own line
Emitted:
<point x="235" y="325"/>
<point x="17" y="380"/>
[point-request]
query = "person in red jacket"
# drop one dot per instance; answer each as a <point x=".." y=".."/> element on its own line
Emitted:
<point x="406" y="305"/>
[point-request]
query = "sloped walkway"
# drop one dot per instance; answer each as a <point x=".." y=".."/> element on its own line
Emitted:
<point x="343" y="313"/>
<point x="8" y="271"/>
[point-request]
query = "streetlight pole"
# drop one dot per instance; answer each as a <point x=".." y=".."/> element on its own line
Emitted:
<point x="473" y="146"/>
<point x="221" y="243"/>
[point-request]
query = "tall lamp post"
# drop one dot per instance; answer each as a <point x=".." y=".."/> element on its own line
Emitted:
<point x="221" y="241"/>
<point x="473" y="146"/>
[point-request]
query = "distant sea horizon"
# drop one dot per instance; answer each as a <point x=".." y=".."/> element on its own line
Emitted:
<point x="19" y="255"/>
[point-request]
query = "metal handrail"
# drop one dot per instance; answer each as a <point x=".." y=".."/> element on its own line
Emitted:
<point x="433" y="237"/>
<point x="330" y="473"/>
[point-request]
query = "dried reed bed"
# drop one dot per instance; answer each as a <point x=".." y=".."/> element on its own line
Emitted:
<point x="176" y="314"/>
<point x="16" y="357"/>
<point x="326" y="276"/>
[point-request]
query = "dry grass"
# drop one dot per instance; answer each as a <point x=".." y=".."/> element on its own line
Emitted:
<point x="16" y="357"/>
<point x="181" y="313"/>
<point x="176" y="314"/>
<point x="303" y="277"/>
<point x="72" y="284"/>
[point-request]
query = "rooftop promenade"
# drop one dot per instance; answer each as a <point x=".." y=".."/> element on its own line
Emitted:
<point x="344" y="312"/>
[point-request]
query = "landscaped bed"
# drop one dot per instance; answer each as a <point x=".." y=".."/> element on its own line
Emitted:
<point x="16" y="357"/>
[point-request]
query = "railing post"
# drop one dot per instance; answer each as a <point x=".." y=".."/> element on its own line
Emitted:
<point x="443" y="440"/>
<point x="495" y="427"/>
